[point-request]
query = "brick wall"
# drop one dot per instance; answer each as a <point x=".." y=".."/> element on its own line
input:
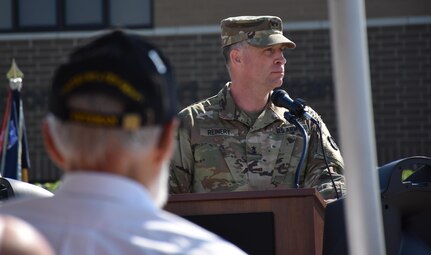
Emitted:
<point x="400" y="62"/>
<point x="197" y="12"/>
<point x="37" y="59"/>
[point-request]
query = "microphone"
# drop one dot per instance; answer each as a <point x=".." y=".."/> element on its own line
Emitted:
<point x="296" y="107"/>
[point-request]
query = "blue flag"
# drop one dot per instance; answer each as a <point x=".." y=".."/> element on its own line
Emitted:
<point x="14" y="152"/>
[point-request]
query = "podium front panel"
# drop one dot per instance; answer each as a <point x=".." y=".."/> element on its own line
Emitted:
<point x="275" y="222"/>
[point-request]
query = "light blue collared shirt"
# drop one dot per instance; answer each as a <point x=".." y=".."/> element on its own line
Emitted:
<point x="99" y="213"/>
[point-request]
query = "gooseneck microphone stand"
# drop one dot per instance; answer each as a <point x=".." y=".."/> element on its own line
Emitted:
<point x="294" y="120"/>
<point x="297" y="110"/>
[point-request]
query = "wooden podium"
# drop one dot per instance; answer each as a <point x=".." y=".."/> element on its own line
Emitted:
<point x="293" y="219"/>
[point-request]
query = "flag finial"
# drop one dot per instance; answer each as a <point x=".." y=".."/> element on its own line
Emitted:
<point x="15" y="76"/>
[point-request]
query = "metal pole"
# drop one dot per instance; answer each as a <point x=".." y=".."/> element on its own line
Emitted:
<point x="355" y="116"/>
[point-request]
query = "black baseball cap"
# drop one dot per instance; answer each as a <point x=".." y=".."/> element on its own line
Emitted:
<point x="124" y="66"/>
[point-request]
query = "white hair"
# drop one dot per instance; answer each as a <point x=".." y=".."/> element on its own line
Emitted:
<point x="83" y="143"/>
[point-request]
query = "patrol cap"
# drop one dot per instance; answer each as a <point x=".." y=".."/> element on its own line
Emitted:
<point x="125" y="67"/>
<point x="259" y="31"/>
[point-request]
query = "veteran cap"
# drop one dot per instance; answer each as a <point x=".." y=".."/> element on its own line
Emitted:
<point x="122" y="66"/>
<point x="259" y="31"/>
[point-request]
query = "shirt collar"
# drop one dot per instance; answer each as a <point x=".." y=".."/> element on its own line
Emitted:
<point x="104" y="186"/>
<point x="229" y="110"/>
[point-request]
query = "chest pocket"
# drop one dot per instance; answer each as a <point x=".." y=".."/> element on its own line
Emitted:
<point x="287" y="160"/>
<point x="226" y="159"/>
<point x="219" y="159"/>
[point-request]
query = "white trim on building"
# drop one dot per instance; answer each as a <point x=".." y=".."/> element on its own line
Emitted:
<point x="215" y="29"/>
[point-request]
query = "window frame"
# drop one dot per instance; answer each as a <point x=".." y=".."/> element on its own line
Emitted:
<point x="61" y="25"/>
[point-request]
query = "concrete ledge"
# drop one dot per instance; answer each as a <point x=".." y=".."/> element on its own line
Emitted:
<point x="215" y="29"/>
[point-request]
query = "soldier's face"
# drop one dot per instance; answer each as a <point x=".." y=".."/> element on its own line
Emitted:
<point x="265" y="65"/>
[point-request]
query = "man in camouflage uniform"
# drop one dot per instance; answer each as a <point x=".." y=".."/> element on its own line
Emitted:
<point x="238" y="140"/>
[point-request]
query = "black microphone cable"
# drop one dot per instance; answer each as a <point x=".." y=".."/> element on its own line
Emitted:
<point x="325" y="157"/>
<point x="299" y="110"/>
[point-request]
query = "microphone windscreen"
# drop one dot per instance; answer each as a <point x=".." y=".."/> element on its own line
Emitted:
<point x="277" y="95"/>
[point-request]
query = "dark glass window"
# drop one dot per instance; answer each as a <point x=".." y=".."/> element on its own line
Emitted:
<point x="68" y="15"/>
<point x="40" y="13"/>
<point x="5" y="14"/>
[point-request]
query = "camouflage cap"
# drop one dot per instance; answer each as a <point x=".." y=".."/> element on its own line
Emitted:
<point x="259" y="31"/>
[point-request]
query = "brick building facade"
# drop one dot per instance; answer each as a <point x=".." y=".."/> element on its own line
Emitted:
<point x="399" y="41"/>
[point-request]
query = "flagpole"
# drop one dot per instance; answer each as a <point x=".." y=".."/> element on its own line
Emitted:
<point x="13" y="130"/>
<point x="4" y="133"/>
<point x="353" y="94"/>
<point x="15" y="76"/>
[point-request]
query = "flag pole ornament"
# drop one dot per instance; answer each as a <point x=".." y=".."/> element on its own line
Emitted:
<point x="14" y="148"/>
<point x="15" y="77"/>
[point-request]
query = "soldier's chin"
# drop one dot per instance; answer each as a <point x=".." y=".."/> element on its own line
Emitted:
<point x="160" y="188"/>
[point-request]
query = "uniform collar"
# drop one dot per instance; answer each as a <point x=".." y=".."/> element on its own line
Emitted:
<point x="230" y="111"/>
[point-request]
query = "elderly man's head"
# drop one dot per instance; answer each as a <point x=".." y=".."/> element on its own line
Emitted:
<point x="112" y="109"/>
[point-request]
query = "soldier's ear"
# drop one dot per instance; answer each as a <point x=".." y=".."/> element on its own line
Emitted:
<point x="235" y="56"/>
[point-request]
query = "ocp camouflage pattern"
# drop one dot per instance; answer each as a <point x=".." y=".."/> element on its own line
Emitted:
<point x="257" y="30"/>
<point x="219" y="148"/>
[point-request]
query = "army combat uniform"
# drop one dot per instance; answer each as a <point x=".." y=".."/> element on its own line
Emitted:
<point x="220" y="148"/>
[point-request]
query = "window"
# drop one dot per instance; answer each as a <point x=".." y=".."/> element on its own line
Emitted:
<point x="40" y="13"/>
<point x="5" y="14"/>
<point x="68" y="15"/>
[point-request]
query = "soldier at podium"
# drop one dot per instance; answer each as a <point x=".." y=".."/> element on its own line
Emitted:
<point x="238" y="140"/>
